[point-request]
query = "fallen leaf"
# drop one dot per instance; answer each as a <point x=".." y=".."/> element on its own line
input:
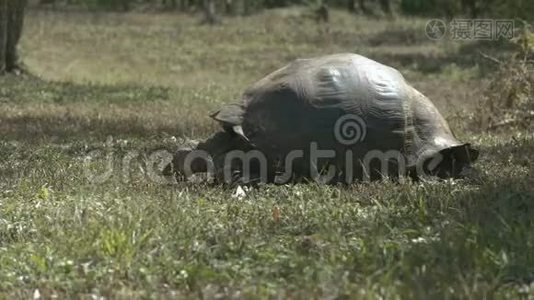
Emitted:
<point x="276" y="213"/>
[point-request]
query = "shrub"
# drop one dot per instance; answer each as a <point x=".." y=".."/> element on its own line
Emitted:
<point x="509" y="100"/>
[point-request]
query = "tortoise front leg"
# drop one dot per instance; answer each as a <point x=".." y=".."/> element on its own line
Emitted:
<point x="206" y="157"/>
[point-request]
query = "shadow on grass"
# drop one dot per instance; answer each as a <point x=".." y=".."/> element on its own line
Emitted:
<point x="34" y="110"/>
<point x="488" y="237"/>
<point x="485" y="234"/>
<point x="65" y="128"/>
<point x="31" y="90"/>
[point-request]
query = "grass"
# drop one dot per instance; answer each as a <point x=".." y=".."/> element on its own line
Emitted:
<point x="149" y="81"/>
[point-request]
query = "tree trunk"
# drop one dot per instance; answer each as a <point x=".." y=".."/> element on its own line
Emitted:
<point x="210" y="16"/>
<point x="229" y="7"/>
<point x="124" y="5"/>
<point x="322" y="14"/>
<point x="350" y="5"/>
<point x="184" y="5"/>
<point x="386" y="6"/>
<point x="3" y="35"/>
<point x="15" y="21"/>
<point x="11" y="21"/>
<point x="170" y="4"/>
<point x="363" y="7"/>
<point x="471" y="7"/>
<point x="246" y="8"/>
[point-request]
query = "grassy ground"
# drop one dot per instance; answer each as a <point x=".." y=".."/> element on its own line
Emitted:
<point x="133" y="84"/>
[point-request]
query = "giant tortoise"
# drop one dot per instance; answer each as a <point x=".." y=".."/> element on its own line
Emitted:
<point x="339" y="117"/>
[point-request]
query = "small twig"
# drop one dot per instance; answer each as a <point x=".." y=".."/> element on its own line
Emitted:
<point x="491" y="58"/>
<point x="510" y="122"/>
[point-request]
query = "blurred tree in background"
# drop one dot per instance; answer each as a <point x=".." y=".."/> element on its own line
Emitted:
<point x="519" y="9"/>
<point x="210" y="12"/>
<point x="11" y="21"/>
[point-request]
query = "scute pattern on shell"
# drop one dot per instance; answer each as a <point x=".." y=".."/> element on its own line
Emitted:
<point x="301" y="102"/>
<point x="326" y="87"/>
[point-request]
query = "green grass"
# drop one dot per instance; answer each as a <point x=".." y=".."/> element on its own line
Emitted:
<point x="130" y="237"/>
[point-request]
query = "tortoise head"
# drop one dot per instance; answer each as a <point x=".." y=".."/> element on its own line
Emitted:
<point x="439" y="153"/>
<point x="178" y="166"/>
<point x="451" y="162"/>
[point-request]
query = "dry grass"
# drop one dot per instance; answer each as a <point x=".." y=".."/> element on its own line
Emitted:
<point x="143" y="78"/>
<point x="167" y="49"/>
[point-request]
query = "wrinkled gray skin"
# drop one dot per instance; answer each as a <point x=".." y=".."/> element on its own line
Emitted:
<point x="300" y="104"/>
